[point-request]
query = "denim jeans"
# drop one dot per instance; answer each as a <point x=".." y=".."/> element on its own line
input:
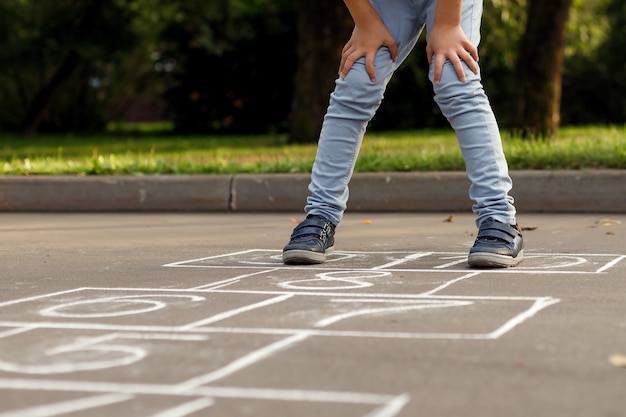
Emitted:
<point x="465" y="104"/>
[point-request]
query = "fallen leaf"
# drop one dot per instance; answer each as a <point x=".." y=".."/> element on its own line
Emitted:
<point x="529" y="228"/>
<point x="450" y="219"/>
<point x="617" y="359"/>
<point x="365" y="221"/>
<point x="608" y="222"/>
<point x="610" y="233"/>
<point x="294" y="220"/>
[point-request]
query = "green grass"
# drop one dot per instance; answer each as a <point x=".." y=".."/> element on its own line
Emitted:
<point x="143" y="152"/>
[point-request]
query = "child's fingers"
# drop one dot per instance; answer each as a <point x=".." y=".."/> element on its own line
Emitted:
<point x="439" y="61"/>
<point x="369" y="66"/>
<point x="458" y="67"/>
<point x="470" y="56"/>
<point x="393" y="50"/>
<point x="457" y="62"/>
<point x="471" y="60"/>
<point x="342" y="65"/>
<point x="347" y="60"/>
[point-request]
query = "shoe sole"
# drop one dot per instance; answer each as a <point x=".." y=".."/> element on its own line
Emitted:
<point x="493" y="260"/>
<point x="305" y="257"/>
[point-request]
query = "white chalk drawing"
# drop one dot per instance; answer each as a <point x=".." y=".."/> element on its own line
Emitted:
<point x="103" y="347"/>
<point x="341" y="280"/>
<point x="92" y="308"/>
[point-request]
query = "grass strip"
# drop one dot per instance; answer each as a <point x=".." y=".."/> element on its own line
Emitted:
<point x="151" y="153"/>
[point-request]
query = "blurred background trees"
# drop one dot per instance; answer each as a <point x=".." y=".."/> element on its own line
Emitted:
<point x="539" y="69"/>
<point x="259" y="66"/>
<point x="61" y="63"/>
<point x="323" y="27"/>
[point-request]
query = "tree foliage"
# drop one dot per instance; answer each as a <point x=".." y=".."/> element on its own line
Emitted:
<point x="234" y="65"/>
<point x="594" y="88"/>
<point x="231" y="65"/>
<point x="56" y="61"/>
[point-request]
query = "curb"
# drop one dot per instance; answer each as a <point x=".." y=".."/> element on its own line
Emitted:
<point x="534" y="191"/>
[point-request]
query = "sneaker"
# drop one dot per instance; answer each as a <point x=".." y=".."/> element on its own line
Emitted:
<point x="311" y="241"/>
<point x="498" y="245"/>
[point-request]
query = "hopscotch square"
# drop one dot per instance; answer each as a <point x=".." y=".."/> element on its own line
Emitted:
<point x="116" y="308"/>
<point x="277" y="313"/>
<point x="328" y="282"/>
<point x="89" y="399"/>
<point x="561" y="263"/>
<point x="410" y="261"/>
<point x="269" y="258"/>
<point x="130" y="356"/>
<point x="385" y="316"/>
<point x="96" y="403"/>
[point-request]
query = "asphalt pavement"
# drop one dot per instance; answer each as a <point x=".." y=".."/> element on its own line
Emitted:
<point x="192" y="314"/>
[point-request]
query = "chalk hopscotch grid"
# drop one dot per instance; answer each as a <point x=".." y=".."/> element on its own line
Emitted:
<point x="207" y="324"/>
<point x="406" y="259"/>
<point x="199" y="388"/>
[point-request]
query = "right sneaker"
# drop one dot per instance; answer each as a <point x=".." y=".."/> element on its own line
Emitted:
<point x="497" y="245"/>
<point x="311" y="241"/>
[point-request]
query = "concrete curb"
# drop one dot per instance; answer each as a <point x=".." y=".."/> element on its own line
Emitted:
<point x="534" y="191"/>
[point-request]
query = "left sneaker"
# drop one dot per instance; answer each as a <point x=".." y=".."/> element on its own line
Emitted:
<point x="311" y="242"/>
<point x="497" y="245"/>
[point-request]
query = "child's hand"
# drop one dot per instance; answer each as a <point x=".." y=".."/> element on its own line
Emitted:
<point x="448" y="42"/>
<point x="365" y="42"/>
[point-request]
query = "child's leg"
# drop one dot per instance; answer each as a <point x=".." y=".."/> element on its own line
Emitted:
<point x="352" y="105"/>
<point x="468" y="110"/>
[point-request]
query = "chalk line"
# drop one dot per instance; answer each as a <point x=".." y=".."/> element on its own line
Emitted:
<point x="275" y="394"/>
<point x="392" y="408"/>
<point x="406" y="259"/>
<point x="14" y="331"/>
<point x="224" y="255"/>
<point x="71" y="406"/>
<point x="451" y="282"/>
<point x="231" y="313"/>
<point x="366" y="311"/>
<point x="186" y="408"/>
<point x="539" y="305"/>
<point x="243" y="362"/>
<point x="38" y="297"/>
<point x="233" y="280"/>
<point x="611" y="264"/>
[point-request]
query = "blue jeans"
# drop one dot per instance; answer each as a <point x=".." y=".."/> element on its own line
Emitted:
<point x="465" y="104"/>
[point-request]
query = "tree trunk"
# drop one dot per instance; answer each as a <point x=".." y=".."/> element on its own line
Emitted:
<point x="539" y="69"/>
<point x="323" y="29"/>
<point x="43" y="98"/>
<point x="41" y="101"/>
